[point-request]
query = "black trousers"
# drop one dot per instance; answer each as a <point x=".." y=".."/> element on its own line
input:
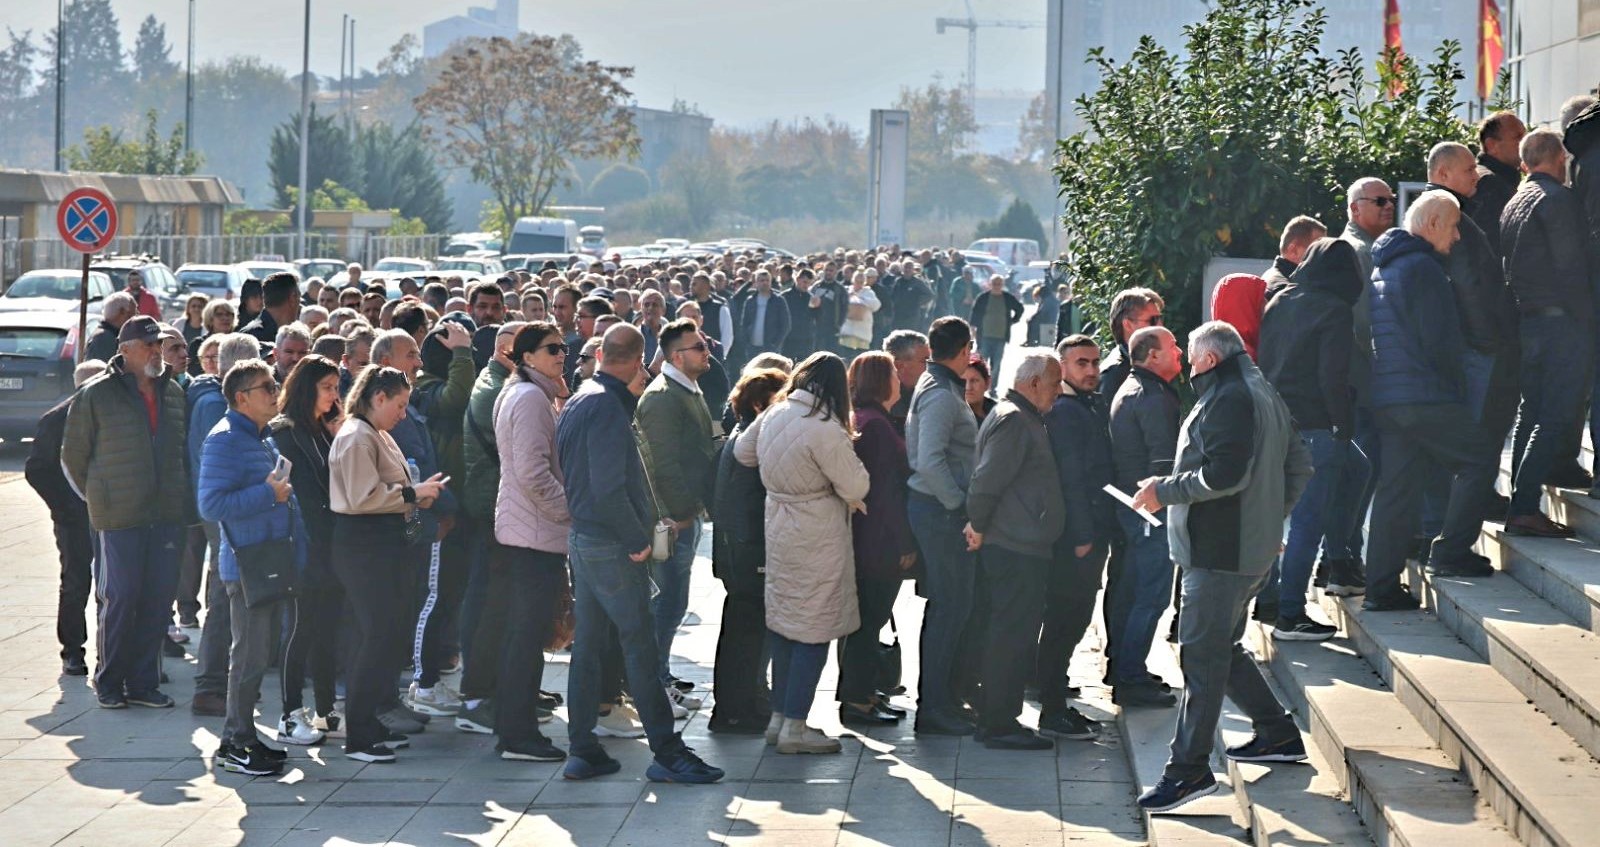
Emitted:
<point x="441" y="586"/>
<point x="858" y="651"/>
<point x="1017" y="585"/>
<point x="1070" y="593"/>
<point x="75" y="544"/>
<point x="740" y="669"/>
<point x="482" y="674"/>
<point x="316" y="618"/>
<point x="191" y="572"/>
<point x="370" y="558"/>
<point x="536" y="581"/>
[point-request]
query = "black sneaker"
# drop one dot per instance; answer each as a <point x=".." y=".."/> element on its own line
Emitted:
<point x="683" y="685"/>
<point x="1302" y="628"/>
<point x="74" y="666"/>
<point x="111" y="700"/>
<point x="251" y="761"/>
<point x="1018" y="738"/>
<point x="1472" y="565"/>
<point x="221" y="758"/>
<point x="734" y="723"/>
<point x="1266" y="610"/>
<point x="1069" y="724"/>
<point x="273" y="753"/>
<point x="1169" y="794"/>
<point x="936" y="723"/>
<point x="152" y="699"/>
<point x="172" y="649"/>
<point x="1346" y="578"/>
<point x="590" y="765"/>
<point x="553" y="697"/>
<point x="396" y="741"/>
<point x="1259" y="749"/>
<point x="1142" y="694"/>
<point x="377" y="754"/>
<point x="1400" y="601"/>
<point x="539" y="749"/>
<point x="684" y="767"/>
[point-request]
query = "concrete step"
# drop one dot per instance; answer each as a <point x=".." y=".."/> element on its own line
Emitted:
<point x="1538" y="780"/>
<point x="1398" y="782"/>
<point x="1546" y="655"/>
<point x="1563" y="572"/>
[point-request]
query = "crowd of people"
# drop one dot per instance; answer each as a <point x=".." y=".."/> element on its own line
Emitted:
<point x="467" y="478"/>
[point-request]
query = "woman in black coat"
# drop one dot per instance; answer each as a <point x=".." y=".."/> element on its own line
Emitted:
<point x="739" y="558"/>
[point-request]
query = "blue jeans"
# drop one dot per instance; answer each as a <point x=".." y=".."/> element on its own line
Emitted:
<point x="1320" y="512"/>
<point x="1355" y="492"/>
<point x="993" y="350"/>
<point x="950" y="586"/>
<point x="1557" y="358"/>
<point x="136" y="578"/>
<point x="672" y="594"/>
<point x="796" y="668"/>
<point x="1143" y="593"/>
<point x="608" y="588"/>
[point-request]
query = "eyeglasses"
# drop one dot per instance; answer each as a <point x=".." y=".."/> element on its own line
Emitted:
<point x="1153" y="320"/>
<point x="554" y="348"/>
<point x="269" y="387"/>
<point x="211" y="358"/>
<point x="585" y="357"/>
<point x="698" y="348"/>
<point x="1380" y="202"/>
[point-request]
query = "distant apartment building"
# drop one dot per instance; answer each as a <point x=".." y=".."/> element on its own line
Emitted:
<point x="478" y="22"/>
<point x="1553" y="52"/>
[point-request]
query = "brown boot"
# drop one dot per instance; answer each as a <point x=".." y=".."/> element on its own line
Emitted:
<point x="209" y="705"/>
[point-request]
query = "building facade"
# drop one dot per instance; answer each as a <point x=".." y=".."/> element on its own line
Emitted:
<point x="478" y="22"/>
<point x="1553" y="52"/>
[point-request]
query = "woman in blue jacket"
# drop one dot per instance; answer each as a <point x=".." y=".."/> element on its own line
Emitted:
<point x="239" y="491"/>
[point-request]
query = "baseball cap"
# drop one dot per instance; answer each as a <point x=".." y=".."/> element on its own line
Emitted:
<point x="139" y="328"/>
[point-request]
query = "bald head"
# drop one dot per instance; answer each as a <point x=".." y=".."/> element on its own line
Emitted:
<point x="622" y="352"/>
<point x="1453" y="166"/>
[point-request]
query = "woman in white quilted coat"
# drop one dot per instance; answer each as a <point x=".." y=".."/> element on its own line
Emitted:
<point x="814" y="481"/>
<point x="529" y="556"/>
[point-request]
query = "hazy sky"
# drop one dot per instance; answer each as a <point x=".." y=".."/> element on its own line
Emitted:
<point x="741" y="62"/>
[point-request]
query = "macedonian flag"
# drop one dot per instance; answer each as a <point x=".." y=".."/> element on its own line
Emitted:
<point x="1392" y="48"/>
<point x="1491" y="47"/>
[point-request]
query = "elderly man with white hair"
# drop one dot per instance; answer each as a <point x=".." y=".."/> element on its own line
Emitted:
<point x="1421" y="401"/>
<point x="1015" y="513"/>
<point x="1240" y="468"/>
<point x="114" y="312"/>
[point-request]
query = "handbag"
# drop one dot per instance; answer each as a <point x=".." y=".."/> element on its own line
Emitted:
<point x="266" y="570"/>
<point x="887" y="679"/>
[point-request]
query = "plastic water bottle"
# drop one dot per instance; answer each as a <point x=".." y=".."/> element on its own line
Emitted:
<point x="416" y="472"/>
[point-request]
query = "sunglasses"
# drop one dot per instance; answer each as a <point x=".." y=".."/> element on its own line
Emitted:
<point x="698" y="348"/>
<point x="555" y="348"/>
<point x="1380" y="202"/>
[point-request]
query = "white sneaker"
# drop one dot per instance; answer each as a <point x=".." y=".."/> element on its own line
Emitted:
<point x="678" y="698"/>
<point x="299" y="728"/>
<point x="620" y="722"/>
<point x="796" y="737"/>
<point x="331" y="724"/>
<point x="774" y="728"/>
<point x="440" y="701"/>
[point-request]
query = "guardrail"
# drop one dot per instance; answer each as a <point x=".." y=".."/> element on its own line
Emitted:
<point x="18" y="255"/>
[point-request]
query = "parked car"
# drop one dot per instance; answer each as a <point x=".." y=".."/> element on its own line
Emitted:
<point x="479" y="266"/>
<point x="158" y="279"/>
<point x="1016" y="252"/>
<point x="985" y="265"/>
<point x="543" y="235"/>
<point x="592" y="240"/>
<point x="225" y="281"/>
<point x="463" y="243"/>
<point x="55" y="289"/>
<point x="324" y="269"/>
<point x="37" y="356"/>
<point x="263" y="269"/>
<point x="534" y="261"/>
<point x="402" y="265"/>
<point x="673" y="243"/>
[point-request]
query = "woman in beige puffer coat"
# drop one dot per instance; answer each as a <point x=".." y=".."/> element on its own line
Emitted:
<point x="814" y="481"/>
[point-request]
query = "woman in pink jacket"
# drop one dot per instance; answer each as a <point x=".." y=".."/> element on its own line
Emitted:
<point x="529" y="559"/>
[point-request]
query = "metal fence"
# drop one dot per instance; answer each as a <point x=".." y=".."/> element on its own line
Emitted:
<point x="18" y="255"/>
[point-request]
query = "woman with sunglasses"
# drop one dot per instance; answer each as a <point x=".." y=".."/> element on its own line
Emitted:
<point x="528" y="558"/>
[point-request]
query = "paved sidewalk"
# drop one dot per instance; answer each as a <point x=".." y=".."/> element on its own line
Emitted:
<point x="73" y="774"/>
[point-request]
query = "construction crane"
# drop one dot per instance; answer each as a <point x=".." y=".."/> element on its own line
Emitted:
<point x="971" y="23"/>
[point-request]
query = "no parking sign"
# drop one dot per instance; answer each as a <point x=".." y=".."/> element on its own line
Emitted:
<point x="87" y="221"/>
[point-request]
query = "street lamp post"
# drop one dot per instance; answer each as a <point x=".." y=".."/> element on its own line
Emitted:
<point x="188" y="88"/>
<point x="305" y="133"/>
<point x="61" y="88"/>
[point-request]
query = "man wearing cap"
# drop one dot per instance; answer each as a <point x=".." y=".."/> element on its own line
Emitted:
<point x="123" y="451"/>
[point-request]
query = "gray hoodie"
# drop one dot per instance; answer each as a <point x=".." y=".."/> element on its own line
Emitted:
<point x="941" y="437"/>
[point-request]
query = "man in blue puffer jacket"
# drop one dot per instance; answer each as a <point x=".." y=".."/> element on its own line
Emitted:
<point x="239" y="491"/>
<point x="1419" y="398"/>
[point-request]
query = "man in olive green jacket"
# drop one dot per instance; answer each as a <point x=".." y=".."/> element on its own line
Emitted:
<point x="681" y="460"/>
<point x="123" y="451"/>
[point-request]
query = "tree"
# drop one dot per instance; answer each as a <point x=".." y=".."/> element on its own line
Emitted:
<point x="617" y="184"/>
<point x="515" y="114"/>
<point x="1036" y="131"/>
<point x="1018" y="221"/>
<point x="151" y="53"/>
<point x="1210" y="153"/>
<point x="702" y="184"/>
<point x="16" y="67"/>
<point x="330" y="158"/>
<point x="942" y="123"/>
<point x="93" y="57"/>
<point x="399" y="173"/>
<point x="105" y="151"/>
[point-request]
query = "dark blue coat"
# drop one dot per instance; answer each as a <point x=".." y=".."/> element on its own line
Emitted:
<point x="234" y="462"/>
<point x="607" y="494"/>
<point x="411" y="436"/>
<point x="775" y="329"/>
<point x="1417" y="346"/>
<point x="206" y="407"/>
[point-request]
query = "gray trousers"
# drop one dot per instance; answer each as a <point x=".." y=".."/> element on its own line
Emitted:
<point x="248" y="660"/>
<point x="211" y="671"/>
<point x="1215" y="665"/>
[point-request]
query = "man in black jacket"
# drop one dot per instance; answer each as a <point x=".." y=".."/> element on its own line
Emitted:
<point x="1499" y="171"/>
<point x="1292" y="245"/>
<point x="1081" y="442"/>
<point x="764" y="320"/>
<point x="912" y="297"/>
<point x="1306" y="333"/>
<point x="280" y="296"/>
<point x="805" y="333"/>
<point x="1132" y="309"/>
<point x="70" y="519"/>
<point x="1547" y="266"/>
<point x="1582" y="140"/>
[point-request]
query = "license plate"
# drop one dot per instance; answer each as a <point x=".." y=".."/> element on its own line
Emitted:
<point x="12" y="383"/>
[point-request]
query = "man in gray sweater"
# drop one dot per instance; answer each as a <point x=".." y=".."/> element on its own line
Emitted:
<point x="1015" y="514"/>
<point x="1241" y="467"/>
<point x="941" y="443"/>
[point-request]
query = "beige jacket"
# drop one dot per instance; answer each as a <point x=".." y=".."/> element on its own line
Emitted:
<point x="366" y="472"/>
<point x="811" y="472"/>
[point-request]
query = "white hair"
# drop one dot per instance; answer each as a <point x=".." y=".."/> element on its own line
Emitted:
<point x="383" y="347"/>
<point x="1540" y="147"/>
<point x="1358" y="187"/>
<point x="310" y="312"/>
<point x="293" y="332"/>
<point x="118" y="304"/>
<point x="86" y="370"/>
<point x="1218" y="338"/>
<point x="236" y="347"/>
<point x="1444" y="153"/>
<point x="1035" y="364"/>
<point x="1429" y="207"/>
<point x="1574" y="107"/>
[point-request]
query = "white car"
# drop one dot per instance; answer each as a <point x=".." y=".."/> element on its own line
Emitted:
<point x="214" y="281"/>
<point x="472" y="265"/>
<point x="262" y="270"/>
<point x="402" y="265"/>
<point x="54" y="290"/>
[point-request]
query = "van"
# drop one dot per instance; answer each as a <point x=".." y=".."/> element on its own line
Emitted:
<point x="1016" y="252"/>
<point x="544" y="235"/>
<point x="592" y="240"/>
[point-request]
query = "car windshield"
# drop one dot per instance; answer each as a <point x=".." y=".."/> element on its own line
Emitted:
<point x="31" y="342"/>
<point x="461" y="265"/>
<point x="393" y="267"/>
<point x="262" y="271"/>
<point x="204" y="279"/>
<point x="45" y="285"/>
